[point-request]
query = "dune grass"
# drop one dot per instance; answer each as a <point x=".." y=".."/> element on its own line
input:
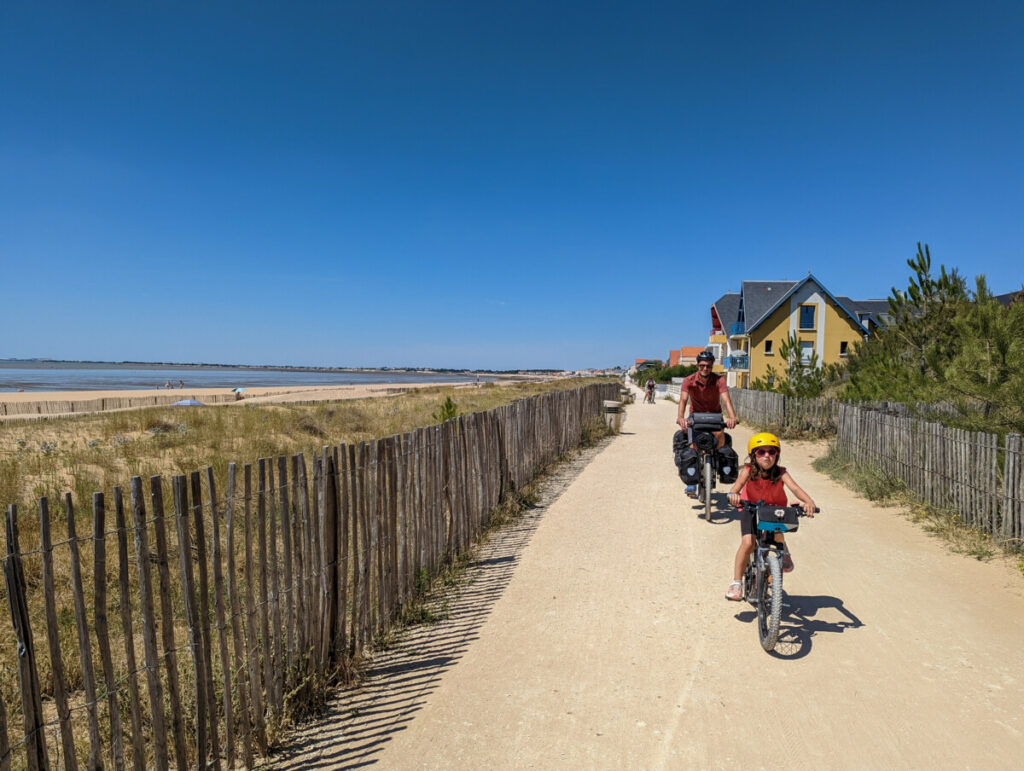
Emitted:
<point x="944" y="524"/>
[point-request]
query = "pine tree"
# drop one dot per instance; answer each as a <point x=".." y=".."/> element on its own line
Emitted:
<point x="986" y="378"/>
<point x="905" y="360"/>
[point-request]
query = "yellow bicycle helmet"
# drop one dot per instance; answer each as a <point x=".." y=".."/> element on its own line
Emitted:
<point x="764" y="439"/>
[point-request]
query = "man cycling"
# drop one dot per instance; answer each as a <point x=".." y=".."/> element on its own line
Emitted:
<point x="703" y="391"/>
<point x="649" y="391"/>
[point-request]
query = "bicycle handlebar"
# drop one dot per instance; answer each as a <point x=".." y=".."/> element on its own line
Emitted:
<point x="796" y="505"/>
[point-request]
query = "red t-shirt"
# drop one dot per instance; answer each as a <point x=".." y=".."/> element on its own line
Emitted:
<point x="772" y="493"/>
<point x="705" y="397"/>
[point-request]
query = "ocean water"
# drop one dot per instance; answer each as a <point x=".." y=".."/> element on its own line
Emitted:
<point x="45" y="376"/>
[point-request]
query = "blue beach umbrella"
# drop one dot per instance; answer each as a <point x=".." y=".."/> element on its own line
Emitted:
<point x="188" y="403"/>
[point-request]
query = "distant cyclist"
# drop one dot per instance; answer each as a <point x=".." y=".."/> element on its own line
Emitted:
<point x="705" y="391"/>
<point x="649" y="391"/>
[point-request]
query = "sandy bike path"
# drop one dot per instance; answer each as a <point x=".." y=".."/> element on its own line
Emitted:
<point x="596" y="634"/>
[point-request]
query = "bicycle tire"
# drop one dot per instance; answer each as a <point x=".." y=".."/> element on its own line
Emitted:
<point x="769" y="602"/>
<point x="707" y="488"/>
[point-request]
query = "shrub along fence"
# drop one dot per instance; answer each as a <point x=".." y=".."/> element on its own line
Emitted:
<point x="972" y="473"/>
<point x="233" y="612"/>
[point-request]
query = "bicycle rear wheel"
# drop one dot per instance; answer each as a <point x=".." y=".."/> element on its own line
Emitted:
<point x="769" y="602"/>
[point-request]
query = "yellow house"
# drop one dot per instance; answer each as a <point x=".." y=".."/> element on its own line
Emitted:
<point x="750" y="327"/>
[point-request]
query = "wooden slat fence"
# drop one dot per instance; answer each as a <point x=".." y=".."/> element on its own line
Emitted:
<point x="972" y="473"/>
<point x="233" y="610"/>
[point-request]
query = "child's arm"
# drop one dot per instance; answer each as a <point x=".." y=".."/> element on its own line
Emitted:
<point x="734" y="493"/>
<point x="798" y="491"/>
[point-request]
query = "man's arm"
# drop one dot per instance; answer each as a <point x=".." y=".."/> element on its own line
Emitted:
<point x="684" y="398"/>
<point x="727" y="400"/>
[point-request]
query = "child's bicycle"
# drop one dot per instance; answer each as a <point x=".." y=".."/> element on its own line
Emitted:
<point x="762" y="579"/>
<point x="648" y="396"/>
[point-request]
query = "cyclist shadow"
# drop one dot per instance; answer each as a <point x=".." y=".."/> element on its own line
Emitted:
<point x="804" y="616"/>
<point x="722" y="513"/>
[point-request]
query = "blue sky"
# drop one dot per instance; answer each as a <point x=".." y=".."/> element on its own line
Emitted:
<point x="498" y="185"/>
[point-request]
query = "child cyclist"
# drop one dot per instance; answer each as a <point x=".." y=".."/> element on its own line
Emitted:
<point x="761" y="479"/>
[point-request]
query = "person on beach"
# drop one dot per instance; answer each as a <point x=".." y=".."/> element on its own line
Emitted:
<point x="761" y="479"/>
<point x="167" y="384"/>
<point x="181" y="384"/>
<point x="704" y="391"/>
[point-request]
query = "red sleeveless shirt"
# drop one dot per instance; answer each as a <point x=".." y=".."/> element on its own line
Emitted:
<point x="773" y="493"/>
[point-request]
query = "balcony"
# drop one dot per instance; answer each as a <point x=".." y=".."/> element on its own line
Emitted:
<point x="737" y="362"/>
<point x="739" y="329"/>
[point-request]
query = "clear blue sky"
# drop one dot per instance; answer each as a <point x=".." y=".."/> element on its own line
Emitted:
<point x="484" y="184"/>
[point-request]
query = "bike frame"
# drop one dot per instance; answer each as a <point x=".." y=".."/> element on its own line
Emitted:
<point x="757" y="564"/>
<point x="706" y="444"/>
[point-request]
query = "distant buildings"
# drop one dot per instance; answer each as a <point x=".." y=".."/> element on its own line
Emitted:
<point x="748" y="328"/>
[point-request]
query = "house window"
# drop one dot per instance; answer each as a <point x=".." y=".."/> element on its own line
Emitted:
<point x="806" y="352"/>
<point x="807" y="316"/>
<point x="843" y="350"/>
<point x="716" y="350"/>
<point x="768" y="348"/>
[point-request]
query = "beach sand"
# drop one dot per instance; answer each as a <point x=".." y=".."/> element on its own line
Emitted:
<point x="62" y="403"/>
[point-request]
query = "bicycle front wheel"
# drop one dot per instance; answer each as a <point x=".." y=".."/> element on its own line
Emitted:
<point x="769" y="602"/>
<point x="707" y="488"/>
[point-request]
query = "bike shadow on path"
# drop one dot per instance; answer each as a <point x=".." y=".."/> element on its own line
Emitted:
<point x="722" y="513"/>
<point x="801" y="622"/>
<point x="359" y="722"/>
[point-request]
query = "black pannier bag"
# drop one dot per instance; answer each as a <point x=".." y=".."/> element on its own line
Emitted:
<point x="685" y="458"/>
<point x="728" y="464"/>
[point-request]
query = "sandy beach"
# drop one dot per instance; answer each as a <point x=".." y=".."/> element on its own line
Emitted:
<point x="41" y="404"/>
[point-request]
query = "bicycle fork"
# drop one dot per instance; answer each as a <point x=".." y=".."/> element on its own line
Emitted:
<point x="757" y="571"/>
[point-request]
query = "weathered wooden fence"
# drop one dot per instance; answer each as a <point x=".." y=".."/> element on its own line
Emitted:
<point x="771" y="409"/>
<point x="229" y="611"/>
<point x="59" y="407"/>
<point x="969" y="472"/>
<point x="972" y="473"/>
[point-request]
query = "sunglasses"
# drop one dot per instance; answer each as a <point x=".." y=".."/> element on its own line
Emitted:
<point x="771" y="452"/>
<point x="703" y="366"/>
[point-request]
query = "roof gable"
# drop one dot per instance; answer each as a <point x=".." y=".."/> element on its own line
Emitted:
<point x="760" y="298"/>
<point x="728" y="309"/>
<point x="793" y="287"/>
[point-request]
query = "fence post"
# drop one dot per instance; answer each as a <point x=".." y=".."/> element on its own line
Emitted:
<point x="188" y="592"/>
<point x="99" y="516"/>
<point x="252" y="660"/>
<point x="218" y="596"/>
<point x="167" y="628"/>
<point x="125" y="602"/>
<point x="204" y="614"/>
<point x="28" y="675"/>
<point x="156" y="691"/>
<point x="235" y="606"/>
<point x="84" y="644"/>
<point x="60" y="698"/>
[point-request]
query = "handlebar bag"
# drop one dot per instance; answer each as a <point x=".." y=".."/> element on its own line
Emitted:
<point x="779" y="519"/>
<point x="707" y="421"/>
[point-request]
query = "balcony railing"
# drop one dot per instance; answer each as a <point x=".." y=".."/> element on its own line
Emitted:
<point x="739" y="329"/>
<point x="737" y="362"/>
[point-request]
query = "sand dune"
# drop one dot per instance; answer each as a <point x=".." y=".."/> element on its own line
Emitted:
<point x="56" y="403"/>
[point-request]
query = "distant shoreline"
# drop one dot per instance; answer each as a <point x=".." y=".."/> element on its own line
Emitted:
<point x="163" y="365"/>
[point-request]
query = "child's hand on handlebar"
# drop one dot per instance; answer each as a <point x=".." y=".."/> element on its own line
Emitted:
<point x="809" y="508"/>
<point x="734" y="499"/>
